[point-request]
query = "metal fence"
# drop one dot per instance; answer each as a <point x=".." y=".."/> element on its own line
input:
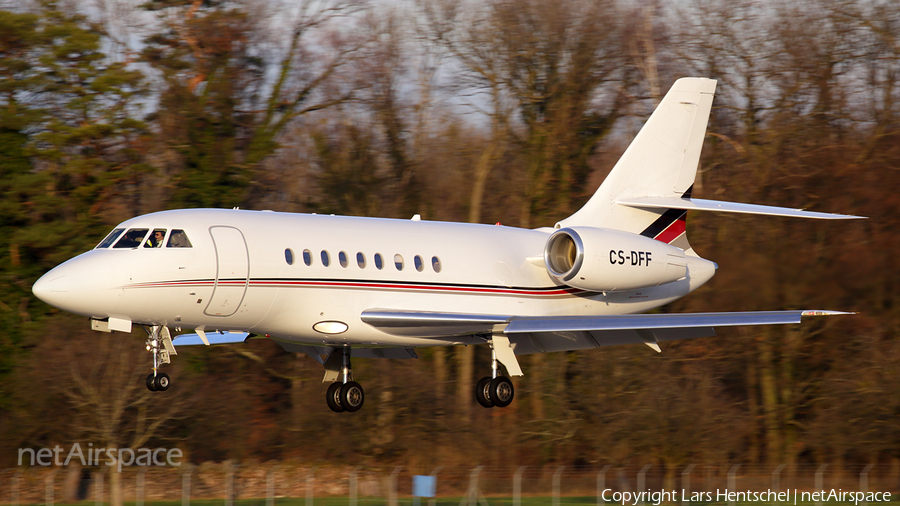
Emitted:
<point x="477" y="485"/>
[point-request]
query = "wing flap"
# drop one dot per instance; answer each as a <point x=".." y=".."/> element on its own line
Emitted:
<point x="212" y="337"/>
<point x="430" y="324"/>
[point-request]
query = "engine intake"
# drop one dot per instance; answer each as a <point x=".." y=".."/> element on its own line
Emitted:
<point x="603" y="260"/>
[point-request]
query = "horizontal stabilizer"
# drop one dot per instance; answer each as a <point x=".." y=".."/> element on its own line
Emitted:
<point x="213" y="338"/>
<point x="727" y="207"/>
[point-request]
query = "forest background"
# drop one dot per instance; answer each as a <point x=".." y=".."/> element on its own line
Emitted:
<point x="505" y="111"/>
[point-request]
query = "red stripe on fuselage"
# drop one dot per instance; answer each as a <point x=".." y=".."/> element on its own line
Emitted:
<point x="370" y="285"/>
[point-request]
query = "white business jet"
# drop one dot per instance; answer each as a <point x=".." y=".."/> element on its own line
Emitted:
<point x="332" y="286"/>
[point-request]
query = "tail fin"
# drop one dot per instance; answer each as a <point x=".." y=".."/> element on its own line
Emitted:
<point x="648" y="192"/>
<point x="660" y="162"/>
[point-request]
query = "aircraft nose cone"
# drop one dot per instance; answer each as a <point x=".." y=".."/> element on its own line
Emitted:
<point x="51" y="288"/>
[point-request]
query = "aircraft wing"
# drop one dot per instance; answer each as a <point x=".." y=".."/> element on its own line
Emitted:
<point x="538" y="334"/>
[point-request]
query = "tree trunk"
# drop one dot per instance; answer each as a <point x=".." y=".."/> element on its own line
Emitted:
<point x="536" y="387"/>
<point x="768" y="383"/>
<point x="465" y="357"/>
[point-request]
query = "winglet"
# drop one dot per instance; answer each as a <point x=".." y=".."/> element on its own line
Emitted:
<point x="820" y="312"/>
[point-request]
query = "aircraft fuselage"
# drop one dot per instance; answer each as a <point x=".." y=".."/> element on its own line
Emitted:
<point x="247" y="270"/>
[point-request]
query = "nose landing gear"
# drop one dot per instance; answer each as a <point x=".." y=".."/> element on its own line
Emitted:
<point x="346" y="395"/>
<point x="158" y="383"/>
<point x="159" y="344"/>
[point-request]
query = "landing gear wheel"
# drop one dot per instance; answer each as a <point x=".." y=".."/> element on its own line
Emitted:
<point x="151" y="383"/>
<point x="161" y="382"/>
<point x="501" y="391"/>
<point x="352" y="396"/>
<point x="482" y="392"/>
<point x="333" y="397"/>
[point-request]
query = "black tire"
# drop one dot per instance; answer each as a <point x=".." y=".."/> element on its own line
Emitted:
<point x="502" y="391"/>
<point x="482" y="392"/>
<point x="162" y="382"/>
<point x="151" y="384"/>
<point x="333" y="397"/>
<point x="352" y="396"/>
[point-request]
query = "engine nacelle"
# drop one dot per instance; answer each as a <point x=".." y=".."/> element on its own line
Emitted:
<point x="603" y="260"/>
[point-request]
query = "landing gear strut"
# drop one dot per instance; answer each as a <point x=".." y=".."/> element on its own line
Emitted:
<point x="494" y="390"/>
<point x="344" y="395"/>
<point x="159" y="344"/>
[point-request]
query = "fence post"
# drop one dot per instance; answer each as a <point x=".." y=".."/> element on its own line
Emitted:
<point x="557" y="477"/>
<point x="686" y="483"/>
<point x="14" y="488"/>
<point x="270" y="488"/>
<point x="864" y="482"/>
<point x="98" y="492"/>
<point x="732" y="481"/>
<point x="601" y="483"/>
<point x="309" y="486"/>
<point x="471" y="498"/>
<point x="139" y="487"/>
<point x="776" y="477"/>
<point x="185" y="486"/>
<point x="642" y="480"/>
<point x="433" y="500"/>
<point x="392" y="497"/>
<point x="517" y="486"/>
<point x="819" y="479"/>
<point x="354" y="486"/>
<point x="49" y="483"/>
<point x="229" y="485"/>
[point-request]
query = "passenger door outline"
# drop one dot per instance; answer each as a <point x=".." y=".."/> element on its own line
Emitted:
<point x="232" y="271"/>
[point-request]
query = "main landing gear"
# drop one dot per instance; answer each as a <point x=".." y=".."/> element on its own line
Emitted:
<point x="344" y="395"/>
<point x="495" y="390"/>
<point x="159" y="344"/>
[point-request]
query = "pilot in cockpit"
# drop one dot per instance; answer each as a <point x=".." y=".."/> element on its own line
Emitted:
<point x="156" y="239"/>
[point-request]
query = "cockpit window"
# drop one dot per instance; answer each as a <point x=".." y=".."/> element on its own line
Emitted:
<point x="132" y="238"/>
<point x="178" y="239"/>
<point x="156" y="238"/>
<point x="111" y="238"/>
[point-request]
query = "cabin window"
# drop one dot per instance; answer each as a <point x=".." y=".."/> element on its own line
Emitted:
<point x="325" y="258"/>
<point x="420" y="265"/>
<point x="379" y="262"/>
<point x="156" y="239"/>
<point x="289" y="256"/>
<point x="342" y="259"/>
<point x="436" y="264"/>
<point x="361" y="260"/>
<point x="178" y="239"/>
<point x="398" y="262"/>
<point x="307" y="257"/>
<point x="132" y="239"/>
<point x="111" y="238"/>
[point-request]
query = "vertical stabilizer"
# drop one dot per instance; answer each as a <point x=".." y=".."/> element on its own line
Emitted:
<point x="661" y="161"/>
